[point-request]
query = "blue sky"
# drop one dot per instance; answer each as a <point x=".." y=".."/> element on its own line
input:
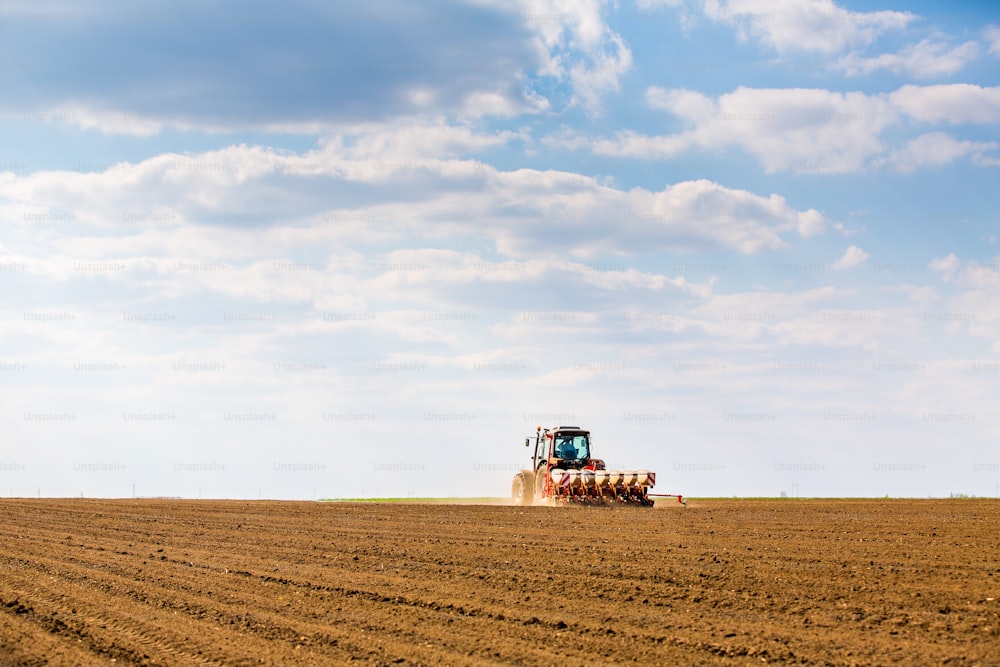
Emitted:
<point x="300" y="252"/>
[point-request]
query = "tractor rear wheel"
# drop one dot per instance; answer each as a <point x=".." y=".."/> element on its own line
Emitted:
<point x="523" y="488"/>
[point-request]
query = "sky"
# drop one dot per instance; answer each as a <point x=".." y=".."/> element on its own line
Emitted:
<point x="325" y="250"/>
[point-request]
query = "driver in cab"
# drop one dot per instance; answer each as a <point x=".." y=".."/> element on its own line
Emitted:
<point x="565" y="449"/>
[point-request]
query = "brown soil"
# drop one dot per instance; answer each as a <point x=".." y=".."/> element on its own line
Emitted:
<point x="165" y="582"/>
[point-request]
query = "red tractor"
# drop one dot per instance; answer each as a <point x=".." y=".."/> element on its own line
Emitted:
<point x="563" y="471"/>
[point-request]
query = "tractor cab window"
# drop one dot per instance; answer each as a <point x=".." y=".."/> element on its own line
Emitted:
<point x="574" y="447"/>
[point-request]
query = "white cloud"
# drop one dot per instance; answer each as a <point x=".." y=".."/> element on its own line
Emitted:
<point x="628" y="144"/>
<point x="975" y="309"/>
<point x="806" y="130"/>
<point x="946" y="266"/>
<point x="650" y="4"/>
<point x="977" y="275"/>
<point x="992" y="34"/>
<point x="687" y="104"/>
<point x="587" y="219"/>
<point x="376" y="185"/>
<point x="795" y="129"/>
<point x="790" y="26"/>
<point x="593" y="81"/>
<point x="985" y="161"/>
<point x="936" y="149"/>
<point x="949" y="103"/>
<point x="925" y="59"/>
<point x="108" y="122"/>
<point x="821" y="318"/>
<point x="431" y="135"/>
<point x="411" y="139"/>
<point x="824" y="27"/>
<point x="852" y="257"/>
<point x="501" y="103"/>
<point x="574" y="43"/>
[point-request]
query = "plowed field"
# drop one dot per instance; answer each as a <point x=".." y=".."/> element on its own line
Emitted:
<point x="163" y="582"/>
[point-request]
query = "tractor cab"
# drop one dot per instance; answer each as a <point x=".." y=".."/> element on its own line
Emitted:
<point x="571" y="449"/>
<point x="565" y="447"/>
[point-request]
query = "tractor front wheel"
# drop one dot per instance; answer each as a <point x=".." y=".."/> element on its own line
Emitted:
<point x="539" y="484"/>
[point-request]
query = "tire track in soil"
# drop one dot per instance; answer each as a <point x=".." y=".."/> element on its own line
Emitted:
<point x="28" y="643"/>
